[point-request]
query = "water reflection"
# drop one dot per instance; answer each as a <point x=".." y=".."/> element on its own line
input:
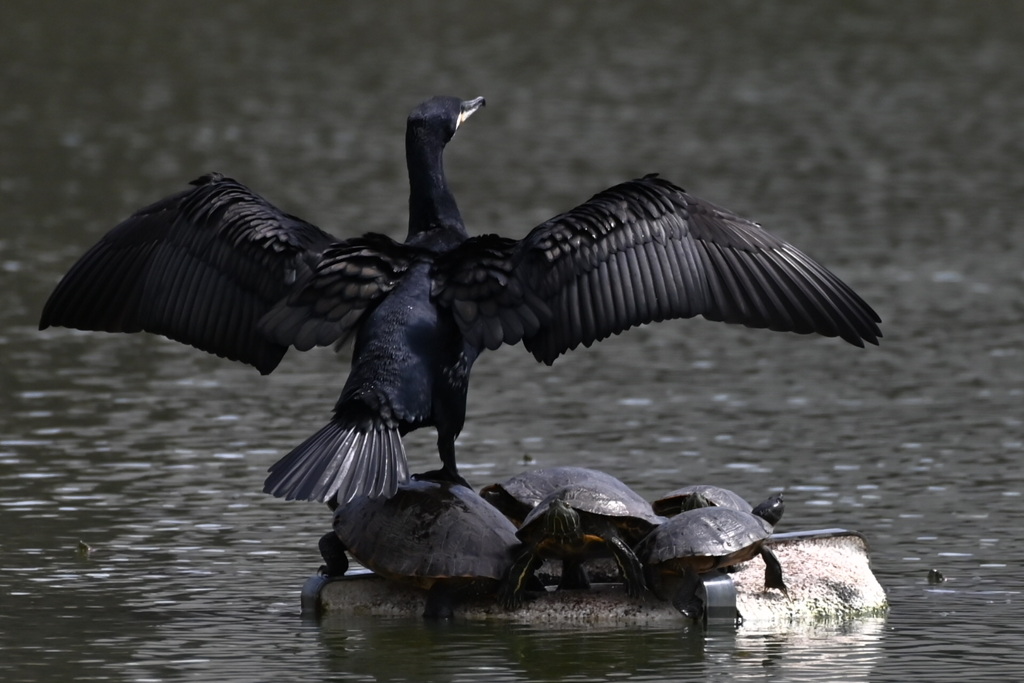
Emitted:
<point x="514" y="653"/>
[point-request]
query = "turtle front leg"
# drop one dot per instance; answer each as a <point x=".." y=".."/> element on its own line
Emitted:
<point x="773" y="571"/>
<point x="685" y="598"/>
<point x="629" y="565"/>
<point x="510" y="594"/>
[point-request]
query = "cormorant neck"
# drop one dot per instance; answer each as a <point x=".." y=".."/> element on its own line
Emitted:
<point x="432" y="206"/>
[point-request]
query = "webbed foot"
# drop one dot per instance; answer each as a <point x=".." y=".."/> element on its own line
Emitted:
<point x="443" y="475"/>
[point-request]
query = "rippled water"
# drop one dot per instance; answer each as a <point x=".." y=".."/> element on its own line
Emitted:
<point x="884" y="140"/>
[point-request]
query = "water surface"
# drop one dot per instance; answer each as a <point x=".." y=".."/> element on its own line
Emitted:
<point x="884" y="140"/>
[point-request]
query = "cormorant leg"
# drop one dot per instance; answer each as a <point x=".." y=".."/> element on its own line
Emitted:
<point x="333" y="552"/>
<point x="510" y="594"/>
<point x="449" y="470"/>
<point x="574" y="577"/>
<point x="629" y="565"/>
<point x="685" y="599"/>
<point x="773" y="572"/>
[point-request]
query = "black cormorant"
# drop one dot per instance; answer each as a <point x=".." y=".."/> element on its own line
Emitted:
<point x="218" y="267"/>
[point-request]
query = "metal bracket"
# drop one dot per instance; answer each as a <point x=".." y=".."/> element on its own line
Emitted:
<point x="310" y="597"/>
<point x="719" y="597"/>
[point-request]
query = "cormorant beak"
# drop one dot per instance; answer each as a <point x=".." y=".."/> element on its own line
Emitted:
<point x="468" y="107"/>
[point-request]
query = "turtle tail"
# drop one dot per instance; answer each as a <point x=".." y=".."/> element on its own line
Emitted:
<point x="346" y="459"/>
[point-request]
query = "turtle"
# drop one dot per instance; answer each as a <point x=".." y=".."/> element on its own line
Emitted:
<point x="595" y="516"/>
<point x="698" y="495"/>
<point x="704" y="495"/>
<point x="519" y="494"/>
<point x="440" y="536"/>
<point x="702" y="540"/>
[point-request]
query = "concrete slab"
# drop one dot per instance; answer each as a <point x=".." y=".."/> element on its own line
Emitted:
<point x="827" y="572"/>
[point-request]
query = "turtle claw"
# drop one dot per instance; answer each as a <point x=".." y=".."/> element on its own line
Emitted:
<point x="635" y="591"/>
<point x="511" y="595"/>
<point x="692" y="608"/>
<point x="510" y="600"/>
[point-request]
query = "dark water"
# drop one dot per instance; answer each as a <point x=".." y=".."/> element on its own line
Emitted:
<point x="885" y="139"/>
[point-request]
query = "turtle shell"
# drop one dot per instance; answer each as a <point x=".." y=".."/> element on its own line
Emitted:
<point x="518" y="495"/>
<point x="677" y="501"/>
<point x="603" y="497"/>
<point x="428" y="531"/>
<point x="705" y="538"/>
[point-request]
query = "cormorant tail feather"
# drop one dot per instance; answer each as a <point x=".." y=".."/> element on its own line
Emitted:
<point x="344" y="458"/>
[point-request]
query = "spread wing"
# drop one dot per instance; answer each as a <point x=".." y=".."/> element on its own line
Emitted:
<point x="201" y="267"/>
<point x="640" y="252"/>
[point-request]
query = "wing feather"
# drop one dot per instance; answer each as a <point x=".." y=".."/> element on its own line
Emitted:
<point x="640" y="252"/>
<point x="182" y="266"/>
<point x="327" y="304"/>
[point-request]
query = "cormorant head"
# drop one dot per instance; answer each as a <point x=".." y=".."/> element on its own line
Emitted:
<point x="441" y="116"/>
<point x="434" y="218"/>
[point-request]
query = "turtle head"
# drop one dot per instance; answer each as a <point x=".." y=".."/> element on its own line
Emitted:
<point x="507" y="504"/>
<point x="561" y="522"/>
<point x="695" y="501"/>
<point x="771" y="509"/>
